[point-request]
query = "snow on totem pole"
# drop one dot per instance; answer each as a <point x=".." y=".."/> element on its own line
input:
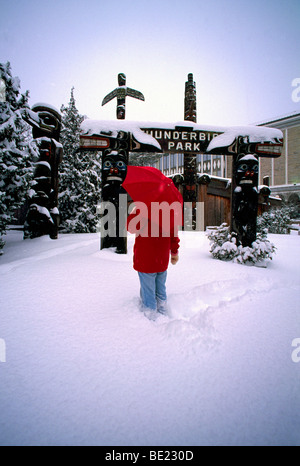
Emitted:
<point x="43" y="215"/>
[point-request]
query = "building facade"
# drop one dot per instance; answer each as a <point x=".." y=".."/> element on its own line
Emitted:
<point x="213" y="165"/>
<point x="286" y="169"/>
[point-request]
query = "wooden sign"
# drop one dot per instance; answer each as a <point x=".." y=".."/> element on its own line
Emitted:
<point x="182" y="139"/>
<point x="186" y="137"/>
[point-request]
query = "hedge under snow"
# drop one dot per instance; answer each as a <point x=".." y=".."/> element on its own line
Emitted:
<point x="224" y="247"/>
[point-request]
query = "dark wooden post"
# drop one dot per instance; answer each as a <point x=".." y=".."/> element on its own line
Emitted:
<point x="190" y="159"/>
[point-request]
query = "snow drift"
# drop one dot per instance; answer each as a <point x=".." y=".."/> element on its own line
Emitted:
<point x="85" y="367"/>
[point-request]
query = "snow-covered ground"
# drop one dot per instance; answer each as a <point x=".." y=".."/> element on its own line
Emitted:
<point x="81" y="365"/>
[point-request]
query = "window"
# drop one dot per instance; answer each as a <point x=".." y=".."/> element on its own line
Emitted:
<point x="173" y="163"/>
<point x="166" y="163"/>
<point x="206" y="163"/>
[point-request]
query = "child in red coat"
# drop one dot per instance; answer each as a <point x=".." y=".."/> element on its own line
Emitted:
<point x="151" y="256"/>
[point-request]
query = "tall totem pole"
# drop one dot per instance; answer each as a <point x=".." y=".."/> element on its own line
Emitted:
<point x="190" y="159"/>
<point x="113" y="173"/>
<point x="114" y="168"/>
<point x="43" y="215"/>
<point x="244" y="194"/>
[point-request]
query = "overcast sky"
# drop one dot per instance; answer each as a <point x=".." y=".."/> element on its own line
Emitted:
<point x="244" y="55"/>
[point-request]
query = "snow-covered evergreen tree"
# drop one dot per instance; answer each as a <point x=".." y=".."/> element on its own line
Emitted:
<point x="79" y="177"/>
<point x="143" y="160"/>
<point x="18" y="150"/>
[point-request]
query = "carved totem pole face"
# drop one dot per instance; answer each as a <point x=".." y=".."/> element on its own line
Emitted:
<point x="121" y="112"/>
<point x="114" y="168"/>
<point x="49" y="122"/>
<point x="247" y="171"/>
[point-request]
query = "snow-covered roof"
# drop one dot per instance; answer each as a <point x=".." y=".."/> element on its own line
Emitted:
<point x="256" y="134"/>
<point x="278" y="119"/>
<point x="112" y="127"/>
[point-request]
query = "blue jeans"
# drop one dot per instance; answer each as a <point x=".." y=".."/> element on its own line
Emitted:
<point x="153" y="290"/>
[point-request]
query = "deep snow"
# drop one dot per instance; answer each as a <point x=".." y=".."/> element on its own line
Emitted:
<point x="85" y="367"/>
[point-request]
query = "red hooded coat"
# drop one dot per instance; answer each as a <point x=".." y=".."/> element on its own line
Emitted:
<point x="151" y="254"/>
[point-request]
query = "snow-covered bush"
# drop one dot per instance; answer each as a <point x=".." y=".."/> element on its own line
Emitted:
<point x="223" y="243"/>
<point x="143" y="159"/>
<point x="224" y="247"/>
<point x="276" y="220"/>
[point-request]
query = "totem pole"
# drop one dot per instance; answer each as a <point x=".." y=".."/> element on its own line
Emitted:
<point x="43" y="215"/>
<point x="244" y="197"/>
<point x="120" y="93"/>
<point x="114" y="170"/>
<point x="190" y="159"/>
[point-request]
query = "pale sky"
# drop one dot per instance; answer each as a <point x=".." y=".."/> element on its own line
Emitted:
<point x="244" y="55"/>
